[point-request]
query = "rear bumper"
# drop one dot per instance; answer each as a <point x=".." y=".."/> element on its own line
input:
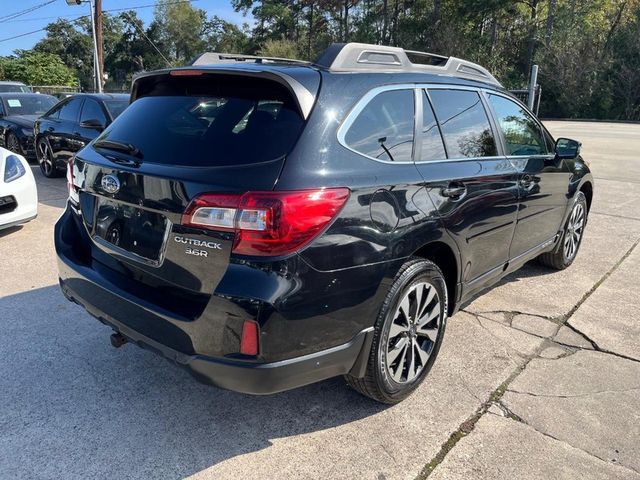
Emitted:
<point x="244" y="377"/>
<point x="184" y="340"/>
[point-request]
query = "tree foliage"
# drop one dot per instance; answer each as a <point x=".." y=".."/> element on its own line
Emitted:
<point x="36" y="68"/>
<point x="588" y="50"/>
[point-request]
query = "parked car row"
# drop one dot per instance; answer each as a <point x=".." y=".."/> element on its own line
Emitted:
<point x="39" y="127"/>
<point x="71" y="124"/>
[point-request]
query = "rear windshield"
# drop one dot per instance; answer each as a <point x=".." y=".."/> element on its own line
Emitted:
<point x="32" y="104"/>
<point x="14" y="88"/>
<point x="116" y="107"/>
<point x="213" y="120"/>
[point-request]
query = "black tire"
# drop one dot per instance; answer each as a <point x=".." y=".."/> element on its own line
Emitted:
<point x="379" y="382"/>
<point x="562" y="256"/>
<point x="45" y="159"/>
<point x="13" y="143"/>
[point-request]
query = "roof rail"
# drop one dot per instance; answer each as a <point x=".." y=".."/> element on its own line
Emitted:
<point x="212" y="58"/>
<point x="349" y="57"/>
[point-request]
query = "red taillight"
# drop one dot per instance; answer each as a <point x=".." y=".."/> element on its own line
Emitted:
<point x="267" y="223"/>
<point x="249" y="339"/>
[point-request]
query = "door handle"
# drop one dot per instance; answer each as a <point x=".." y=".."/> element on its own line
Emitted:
<point x="454" y="190"/>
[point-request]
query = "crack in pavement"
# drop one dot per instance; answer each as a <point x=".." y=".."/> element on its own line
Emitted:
<point x="510" y="324"/>
<point x="496" y="396"/>
<point x="507" y="347"/>
<point x="573" y="446"/>
<point x="598" y="348"/>
<point x="588" y="394"/>
<point x="613" y="215"/>
<point x="510" y="314"/>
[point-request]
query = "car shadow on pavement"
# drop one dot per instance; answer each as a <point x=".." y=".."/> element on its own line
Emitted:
<point x="70" y="404"/>
<point x="529" y="270"/>
<point x="9" y="230"/>
<point x="51" y="191"/>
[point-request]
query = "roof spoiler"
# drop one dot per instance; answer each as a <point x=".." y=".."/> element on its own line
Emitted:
<point x="304" y="97"/>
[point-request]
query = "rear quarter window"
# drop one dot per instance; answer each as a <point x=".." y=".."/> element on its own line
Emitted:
<point x="215" y="120"/>
<point x="384" y="128"/>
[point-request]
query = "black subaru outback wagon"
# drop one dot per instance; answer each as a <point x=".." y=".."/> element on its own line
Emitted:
<point x="269" y="223"/>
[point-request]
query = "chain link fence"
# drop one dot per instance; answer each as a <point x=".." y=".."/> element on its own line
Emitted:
<point x="56" y="90"/>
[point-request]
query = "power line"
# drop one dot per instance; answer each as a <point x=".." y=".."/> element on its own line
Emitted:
<point x="22" y="35"/>
<point x="137" y="7"/>
<point x="106" y="11"/>
<point x="11" y="16"/>
<point x="149" y="40"/>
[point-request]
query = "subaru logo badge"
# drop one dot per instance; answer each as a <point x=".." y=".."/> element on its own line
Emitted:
<point x="110" y="183"/>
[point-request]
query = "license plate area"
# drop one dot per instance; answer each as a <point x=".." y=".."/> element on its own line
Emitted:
<point x="129" y="229"/>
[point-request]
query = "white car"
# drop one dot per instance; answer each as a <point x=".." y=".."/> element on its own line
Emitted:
<point x="18" y="193"/>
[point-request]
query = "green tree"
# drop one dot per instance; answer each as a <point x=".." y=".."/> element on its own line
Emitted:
<point x="37" y="68"/>
<point x="223" y="36"/>
<point x="280" y="49"/>
<point x="133" y="51"/>
<point x="181" y="30"/>
<point x="73" y="46"/>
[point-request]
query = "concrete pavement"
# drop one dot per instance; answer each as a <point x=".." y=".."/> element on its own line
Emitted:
<point x="539" y="378"/>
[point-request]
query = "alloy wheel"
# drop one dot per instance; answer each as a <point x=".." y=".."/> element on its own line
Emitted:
<point x="413" y="332"/>
<point x="573" y="234"/>
<point x="13" y="144"/>
<point x="45" y="157"/>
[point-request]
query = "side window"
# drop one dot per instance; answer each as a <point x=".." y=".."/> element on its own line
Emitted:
<point x="91" y="110"/>
<point x="464" y="123"/>
<point x="522" y="135"/>
<point x="70" y="110"/>
<point x="384" y="128"/>
<point x="431" y="144"/>
<point x="55" y="113"/>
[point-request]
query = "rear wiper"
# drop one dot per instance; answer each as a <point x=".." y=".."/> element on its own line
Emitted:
<point x="384" y="147"/>
<point x="118" y="147"/>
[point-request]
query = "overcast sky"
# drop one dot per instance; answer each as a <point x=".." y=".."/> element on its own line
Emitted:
<point x="40" y="17"/>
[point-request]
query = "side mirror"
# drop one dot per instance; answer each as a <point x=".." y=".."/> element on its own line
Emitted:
<point x="567" y="148"/>
<point x="93" y="123"/>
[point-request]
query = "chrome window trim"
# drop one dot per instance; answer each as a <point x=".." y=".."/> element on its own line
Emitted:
<point x="416" y="87"/>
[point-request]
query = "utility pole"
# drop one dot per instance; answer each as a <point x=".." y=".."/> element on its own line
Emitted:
<point x="99" y="44"/>
<point x="97" y="82"/>
<point x="533" y="81"/>
<point x="97" y="65"/>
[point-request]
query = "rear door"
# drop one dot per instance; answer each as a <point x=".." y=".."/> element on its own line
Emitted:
<point x="92" y="111"/>
<point x="65" y="138"/>
<point x="49" y="126"/>
<point x="473" y="186"/>
<point x="543" y="179"/>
